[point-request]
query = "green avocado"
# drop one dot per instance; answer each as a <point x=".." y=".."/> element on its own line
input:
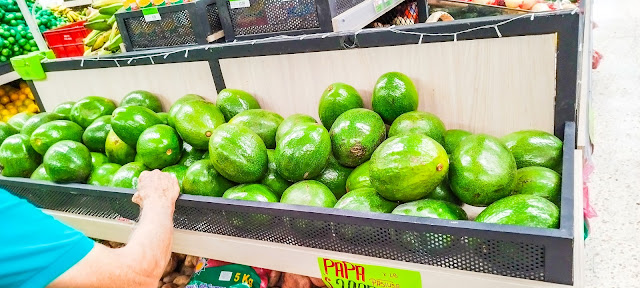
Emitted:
<point x="68" y="162"/>
<point x="191" y="155"/>
<point x="394" y="95"/>
<point x="272" y="179"/>
<point x="52" y="132"/>
<point x="180" y="171"/>
<point x="303" y="152"/>
<point x="88" y="109"/>
<point x="334" y="176"/>
<point x="432" y="209"/>
<point x="408" y="167"/>
<point x="263" y="122"/>
<point x="365" y="200"/>
<point x="419" y="122"/>
<point x="36" y="120"/>
<point x="64" y="109"/>
<point x="40" y="174"/>
<point x="539" y="181"/>
<point x="233" y="101"/>
<point x="176" y="106"/>
<point x="127" y="176"/>
<point x="103" y="175"/>
<point x="251" y="192"/>
<point x="17" y="121"/>
<point x="309" y="193"/>
<point x="117" y="151"/>
<point x="142" y="98"/>
<point x="164" y="116"/>
<point x="97" y="159"/>
<point x="292" y="121"/>
<point x="129" y="122"/>
<point x="6" y="131"/>
<point x="17" y="158"/>
<point x="522" y="210"/>
<point x="359" y="177"/>
<point x="195" y="122"/>
<point x="238" y="153"/>
<point x="95" y="136"/>
<point x="355" y="135"/>
<point x="203" y="179"/>
<point x="452" y="138"/>
<point x="159" y="146"/>
<point x="337" y="99"/>
<point x="443" y="192"/>
<point x="482" y="170"/>
<point x="535" y="148"/>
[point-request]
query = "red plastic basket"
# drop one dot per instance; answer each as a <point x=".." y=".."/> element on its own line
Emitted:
<point x="66" y="41"/>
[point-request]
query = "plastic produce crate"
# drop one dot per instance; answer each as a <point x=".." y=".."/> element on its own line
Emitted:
<point x="182" y="24"/>
<point x="66" y="41"/>
<point x="514" y="251"/>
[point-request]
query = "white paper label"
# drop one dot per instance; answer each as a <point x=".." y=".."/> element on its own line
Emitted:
<point x="239" y="4"/>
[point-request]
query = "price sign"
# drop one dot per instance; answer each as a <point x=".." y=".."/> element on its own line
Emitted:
<point x="151" y="14"/>
<point x="380" y="5"/>
<point x="239" y="4"/>
<point x="343" y="274"/>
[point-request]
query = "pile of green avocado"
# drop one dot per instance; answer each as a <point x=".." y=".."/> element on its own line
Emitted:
<point x="391" y="159"/>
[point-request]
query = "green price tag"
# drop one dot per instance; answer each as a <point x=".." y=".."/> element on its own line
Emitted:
<point x="151" y="14"/>
<point x="380" y="5"/>
<point x="342" y="274"/>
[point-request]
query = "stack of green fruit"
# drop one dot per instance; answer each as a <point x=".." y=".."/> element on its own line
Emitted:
<point x="234" y="149"/>
<point x="105" y="38"/>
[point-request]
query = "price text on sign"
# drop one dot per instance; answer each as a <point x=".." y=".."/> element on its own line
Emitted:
<point x="342" y="274"/>
<point x="151" y="14"/>
<point x="239" y="4"/>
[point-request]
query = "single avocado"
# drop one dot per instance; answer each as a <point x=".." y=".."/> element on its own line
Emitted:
<point x="303" y="152"/>
<point x="103" y="175"/>
<point x="195" y="122"/>
<point x="272" y="179"/>
<point x="68" y="162"/>
<point x="129" y="122"/>
<point x="64" y="109"/>
<point x="355" y="135"/>
<point x="164" y="116"/>
<point x="359" y="177"/>
<point x="36" y="120"/>
<point x="203" y="179"/>
<point x="180" y="171"/>
<point x="535" y="148"/>
<point x="309" y="193"/>
<point x="291" y="122"/>
<point x="233" y="101"/>
<point x="176" y="106"/>
<point x="6" y="131"/>
<point x="263" y="122"/>
<point x="97" y="159"/>
<point x="127" y="176"/>
<point x="88" y="109"/>
<point x="117" y="151"/>
<point x="159" y="146"/>
<point x="17" y="121"/>
<point x="394" y="95"/>
<point x="432" y="209"/>
<point x="17" y="158"/>
<point x="334" y="176"/>
<point x="95" y="136"/>
<point x="55" y="131"/>
<point x="538" y="181"/>
<point x="142" y="98"/>
<point x="482" y="170"/>
<point x="522" y="210"/>
<point x="408" y="167"/>
<point x="365" y="200"/>
<point x="419" y="122"/>
<point x="443" y="192"/>
<point x="40" y="174"/>
<point x="191" y="155"/>
<point x="238" y="153"/>
<point x="452" y="138"/>
<point x="251" y="192"/>
<point x="337" y="99"/>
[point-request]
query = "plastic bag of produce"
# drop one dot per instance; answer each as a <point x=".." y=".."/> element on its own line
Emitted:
<point x="211" y="273"/>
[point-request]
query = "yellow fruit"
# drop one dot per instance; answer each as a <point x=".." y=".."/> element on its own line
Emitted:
<point x="27" y="102"/>
<point x="22" y="108"/>
<point x="13" y="111"/>
<point x="18" y="103"/>
<point x="33" y="108"/>
<point x="14" y="97"/>
<point x="30" y="96"/>
<point x="1" y="92"/>
<point x="22" y="96"/>
<point x="4" y="112"/>
<point x="4" y="100"/>
<point x="10" y="105"/>
<point x="6" y="118"/>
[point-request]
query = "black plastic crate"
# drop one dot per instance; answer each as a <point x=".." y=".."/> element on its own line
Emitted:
<point x="513" y="251"/>
<point x="180" y="25"/>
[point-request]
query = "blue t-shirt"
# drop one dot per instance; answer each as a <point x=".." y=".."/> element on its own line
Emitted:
<point x="35" y="248"/>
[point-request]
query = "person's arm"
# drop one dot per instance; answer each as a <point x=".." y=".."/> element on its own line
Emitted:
<point x="142" y="261"/>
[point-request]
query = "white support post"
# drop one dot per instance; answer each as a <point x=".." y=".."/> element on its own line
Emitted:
<point x="33" y="27"/>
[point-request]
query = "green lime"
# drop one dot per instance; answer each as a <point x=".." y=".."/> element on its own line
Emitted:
<point x="22" y="42"/>
<point x="11" y="40"/>
<point x="5" y="52"/>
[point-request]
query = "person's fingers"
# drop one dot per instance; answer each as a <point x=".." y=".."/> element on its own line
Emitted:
<point x="136" y="198"/>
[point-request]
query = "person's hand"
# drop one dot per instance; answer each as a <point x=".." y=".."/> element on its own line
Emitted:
<point x="156" y="188"/>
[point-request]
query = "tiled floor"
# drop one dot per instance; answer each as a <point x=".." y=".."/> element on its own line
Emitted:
<point x="613" y="248"/>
